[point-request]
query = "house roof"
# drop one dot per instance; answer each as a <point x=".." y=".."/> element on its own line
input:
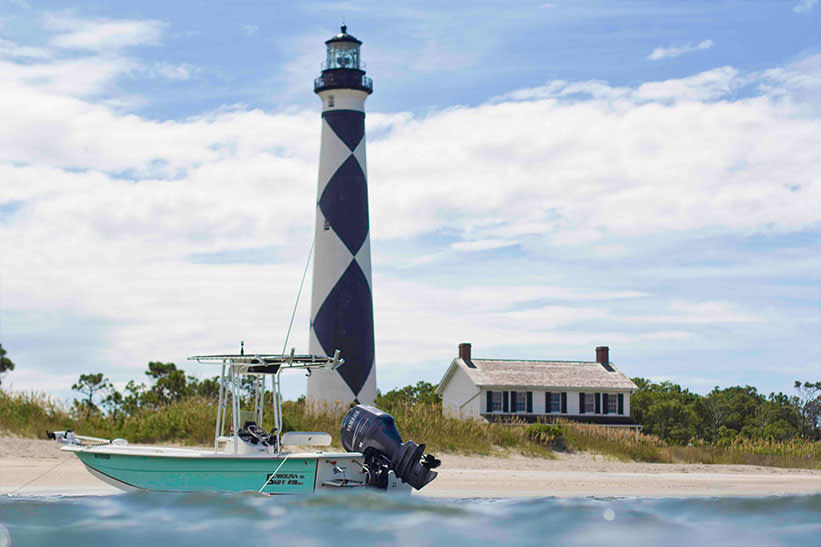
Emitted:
<point x="540" y="374"/>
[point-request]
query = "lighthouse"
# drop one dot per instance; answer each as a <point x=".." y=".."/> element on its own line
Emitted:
<point x="341" y="300"/>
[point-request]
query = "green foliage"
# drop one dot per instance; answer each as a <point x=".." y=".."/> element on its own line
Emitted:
<point x="421" y="393"/>
<point x="809" y="401"/>
<point x="207" y="389"/>
<point x="423" y="423"/>
<point x="621" y="443"/>
<point x="553" y="436"/>
<point x="732" y="425"/>
<point x="89" y="385"/>
<point x="191" y="421"/>
<point x="5" y="363"/>
<point x="722" y="416"/>
<point x="662" y="409"/>
<point x="170" y="384"/>
<point x="30" y="414"/>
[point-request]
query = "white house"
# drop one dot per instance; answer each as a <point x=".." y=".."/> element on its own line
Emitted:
<point x="587" y="391"/>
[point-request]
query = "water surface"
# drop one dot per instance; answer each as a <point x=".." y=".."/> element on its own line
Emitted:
<point x="370" y="518"/>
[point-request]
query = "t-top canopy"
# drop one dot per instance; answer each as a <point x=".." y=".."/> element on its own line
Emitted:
<point x="271" y="363"/>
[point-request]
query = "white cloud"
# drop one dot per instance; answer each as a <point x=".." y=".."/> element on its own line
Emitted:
<point x="572" y="168"/>
<point x="678" y="50"/>
<point x="11" y="50"/>
<point x="707" y="313"/>
<point x="84" y="57"/>
<point x="482" y="245"/>
<point x="798" y="83"/>
<point x="113" y="203"/>
<point x="250" y="30"/>
<point x="61" y="79"/>
<point x="173" y="72"/>
<point x="803" y="6"/>
<point x="101" y="35"/>
<point x="710" y="85"/>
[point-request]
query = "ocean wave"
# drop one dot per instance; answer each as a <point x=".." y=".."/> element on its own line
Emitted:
<point x="371" y="518"/>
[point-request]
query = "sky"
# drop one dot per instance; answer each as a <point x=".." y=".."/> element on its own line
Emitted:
<point x="544" y="178"/>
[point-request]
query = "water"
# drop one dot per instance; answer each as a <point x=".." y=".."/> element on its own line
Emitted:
<point x="364" y="518"/>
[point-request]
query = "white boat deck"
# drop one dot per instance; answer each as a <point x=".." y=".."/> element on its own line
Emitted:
<point x="172" y="452"/>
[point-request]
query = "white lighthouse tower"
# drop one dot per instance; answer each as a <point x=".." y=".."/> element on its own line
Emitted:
<point x="341" y="303"/>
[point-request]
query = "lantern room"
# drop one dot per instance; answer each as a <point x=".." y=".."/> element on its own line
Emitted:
<point x="343" y="67"/>
<point x="343" y="51"/>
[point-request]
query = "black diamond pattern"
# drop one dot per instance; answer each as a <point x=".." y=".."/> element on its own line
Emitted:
<point x="344" y="322"/>
<point x="349" y="125"/>
<point x="344" y="202"/>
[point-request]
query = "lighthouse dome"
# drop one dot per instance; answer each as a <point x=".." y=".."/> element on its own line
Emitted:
<point x="343" y="36"/>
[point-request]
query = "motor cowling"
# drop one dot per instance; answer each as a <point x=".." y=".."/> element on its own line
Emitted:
<point x="373" y="432"/>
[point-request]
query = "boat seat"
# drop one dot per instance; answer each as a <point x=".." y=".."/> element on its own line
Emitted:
<point x="254" y="434"/>
<point x="306" y="438"/>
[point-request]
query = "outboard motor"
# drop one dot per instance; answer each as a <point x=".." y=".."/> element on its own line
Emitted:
<point x="373" y="432"/>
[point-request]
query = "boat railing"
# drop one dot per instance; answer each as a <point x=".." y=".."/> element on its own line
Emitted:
<point x="235" y="366"/>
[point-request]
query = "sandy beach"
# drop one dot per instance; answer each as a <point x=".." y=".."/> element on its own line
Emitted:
<point x="23" y="461"/>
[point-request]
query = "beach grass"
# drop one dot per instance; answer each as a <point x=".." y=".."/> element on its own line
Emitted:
<point x="191" y="422"/>
<point x="425" y="423"/>
<point x="792" y="453"/>
<point x="620" y="443"/>
<point x="30" y="413"/>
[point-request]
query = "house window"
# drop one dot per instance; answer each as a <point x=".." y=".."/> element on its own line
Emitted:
<point x="330" y="101"/>
<point x="612" y="404"/>
<point x="589" y="403"/>
<point x="521" y="401"/>
<point x="496" y="401"/>
<point x="554" y="402"/>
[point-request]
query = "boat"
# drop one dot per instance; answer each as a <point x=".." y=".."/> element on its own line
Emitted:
<point x="249" y="458"/>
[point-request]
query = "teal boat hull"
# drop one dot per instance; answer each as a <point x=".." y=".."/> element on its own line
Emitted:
<point x="198" y="474"/>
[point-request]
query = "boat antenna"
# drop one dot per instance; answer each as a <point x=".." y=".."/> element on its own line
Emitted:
<point x="298" y="294"/>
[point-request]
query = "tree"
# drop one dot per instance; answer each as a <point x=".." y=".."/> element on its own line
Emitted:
<point x="664" y="409"/>
<point x="422" y="392"/>
<point x="208" y="388"/>
<point x="134" y="397"/>
<point x="809" y="404"/>
<point x="778" y="418"/>
<point x="724" y="415"/>
<point x="5" y="363"/>
<point x="113" y="402"/>
<point x="170" y="386"/>
<point x="89" y="385"/>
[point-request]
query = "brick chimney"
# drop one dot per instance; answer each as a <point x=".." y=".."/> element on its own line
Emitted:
<point x="603" y="357"/>
<point x="464" y="351"/>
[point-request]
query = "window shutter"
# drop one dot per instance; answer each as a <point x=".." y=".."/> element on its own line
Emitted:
<point x="513" y="401"/>
<point x="598" y="403"/>
<point x="621" y="403"/>
<point x="564" y="402"/>
<point x="505" y="403"/>
<point x="530" y="402"/>
<point x="547" y="402"/>
<point x="604" y="403"/>
<point x="489" y="407"/>
<point x="581" y="403"/>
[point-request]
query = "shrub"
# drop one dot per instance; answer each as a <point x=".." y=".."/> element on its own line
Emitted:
<point x="191" y="421"/>
<point x="552" y="436"/>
